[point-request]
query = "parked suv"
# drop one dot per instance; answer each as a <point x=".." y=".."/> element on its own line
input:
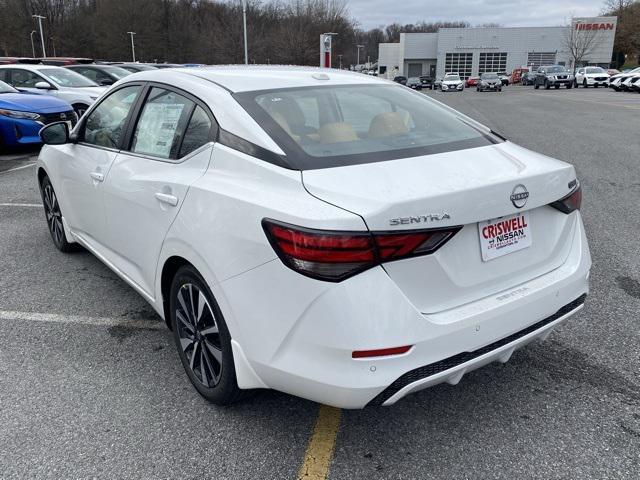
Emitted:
<point x="553" y="76"/>
<point x="591" y="76"/>
<point x="59" y="82"/>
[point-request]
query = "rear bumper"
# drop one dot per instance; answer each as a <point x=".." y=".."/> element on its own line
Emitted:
<point x="452" y="369"/>
<point x="299" y="338"/>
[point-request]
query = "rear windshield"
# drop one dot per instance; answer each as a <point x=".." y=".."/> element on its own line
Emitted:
<point x="556" y="69"/>
<point x="594" y="70"/>
<point x="320" y="127"/>
<point x="489" y="76"/>
<point x="450" y="78"/>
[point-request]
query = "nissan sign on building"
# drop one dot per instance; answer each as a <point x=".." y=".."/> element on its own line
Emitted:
<point x="473" y="51"/>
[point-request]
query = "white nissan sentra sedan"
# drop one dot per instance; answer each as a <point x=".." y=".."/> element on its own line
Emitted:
<point x="330" y="235"/>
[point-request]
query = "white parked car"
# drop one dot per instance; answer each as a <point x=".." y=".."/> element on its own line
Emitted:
<point x="294" y="240"/>
<point x="627" y="82"/>
<point x="615" y="81"/>
<point x="60" y="82"/>
<point x="591" y="77"/>
<point x="451" y="83"/>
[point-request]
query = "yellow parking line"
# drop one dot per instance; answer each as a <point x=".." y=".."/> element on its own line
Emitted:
<point x="317" y="458"/>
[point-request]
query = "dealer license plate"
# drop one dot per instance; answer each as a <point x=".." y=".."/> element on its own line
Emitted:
<point x="504" y="235"/>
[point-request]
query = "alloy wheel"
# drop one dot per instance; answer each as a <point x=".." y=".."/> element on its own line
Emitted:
<point x="52" y="211"/>
<point x="199" y="334"/>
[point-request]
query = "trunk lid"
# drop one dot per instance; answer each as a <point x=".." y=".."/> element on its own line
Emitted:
<point x="457" y="188"/>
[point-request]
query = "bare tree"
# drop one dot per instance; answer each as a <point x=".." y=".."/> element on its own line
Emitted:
<point x="580" y="42"/>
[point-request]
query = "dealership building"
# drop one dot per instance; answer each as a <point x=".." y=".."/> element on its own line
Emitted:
<point x="472" y="51"/>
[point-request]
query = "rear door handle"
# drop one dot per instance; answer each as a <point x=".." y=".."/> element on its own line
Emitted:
<point x="167" y="198"/>
<point x="97" y="176"/>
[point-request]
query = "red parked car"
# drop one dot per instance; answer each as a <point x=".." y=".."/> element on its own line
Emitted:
<point x="472" y="81"/>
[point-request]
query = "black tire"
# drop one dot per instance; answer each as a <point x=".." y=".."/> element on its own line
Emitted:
<point x="575" y="83"/>
<point x="595" y="85"/>
<point x="556" y="86"/>
<point x="547" y="86"/>
<point x="53" y="214"/>
<point x="212" y="371"/>
<point x="80" y="108"/>
<point x="536" y="85"/>
<point x="569" y="85"/>
<point x="585" y="84"/>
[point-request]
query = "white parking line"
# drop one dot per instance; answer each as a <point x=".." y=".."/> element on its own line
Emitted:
<point x="78" y="319"/>
<point x="17" y="168"/>
<point x="38" y="205"/>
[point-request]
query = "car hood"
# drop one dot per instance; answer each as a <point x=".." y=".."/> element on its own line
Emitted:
<point x="25" y="102"/>
<point x="92" y="91"/>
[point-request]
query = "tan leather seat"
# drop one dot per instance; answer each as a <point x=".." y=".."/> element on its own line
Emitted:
<point x="388" y="124"/>
<point x="337" y="133"/>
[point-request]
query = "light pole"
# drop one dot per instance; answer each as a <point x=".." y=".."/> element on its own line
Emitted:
<point x="33" y="48"/>
<point x="53" y="43"/>
<point x="244" y="27"/>
<point x="40" y="17"/>
<point x="340" y="59"/>
<point x="359" y="47"/>
<point x="133" y="47"/>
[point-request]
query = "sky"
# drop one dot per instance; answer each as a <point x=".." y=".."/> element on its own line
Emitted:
<point x="514" y="13"/>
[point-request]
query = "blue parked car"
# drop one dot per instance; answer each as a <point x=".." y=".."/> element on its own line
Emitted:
<point x="23" y="114"/>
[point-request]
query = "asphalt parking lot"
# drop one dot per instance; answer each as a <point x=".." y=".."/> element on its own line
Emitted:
<point x="91" y="385"/>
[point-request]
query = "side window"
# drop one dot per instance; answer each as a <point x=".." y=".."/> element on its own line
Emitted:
<point x="100" y="76"/>
<point x="105" y="124"/>
<point x="3" y="76"/>
<point x="25" y="78"/>
<point x="198" y="132"/>
<point x="86" y="72"/>
<point x="162" y="123"/>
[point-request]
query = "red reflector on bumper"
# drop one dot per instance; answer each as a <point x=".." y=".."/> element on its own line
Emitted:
<point x="382" y="352"/>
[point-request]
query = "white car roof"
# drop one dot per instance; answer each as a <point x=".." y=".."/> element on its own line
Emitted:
<point x="215" y="86"/>
<point x="245" y="78"/>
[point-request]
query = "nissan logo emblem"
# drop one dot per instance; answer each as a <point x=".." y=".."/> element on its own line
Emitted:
<point x="519" y="196"/>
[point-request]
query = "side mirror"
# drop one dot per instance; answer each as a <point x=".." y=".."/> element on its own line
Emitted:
<point x="43" y="86"/>
<point x="55" y="133"/>
<point x="106" y="81"/>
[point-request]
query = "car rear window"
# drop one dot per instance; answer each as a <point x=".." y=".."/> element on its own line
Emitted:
<point x="328" y="126"/>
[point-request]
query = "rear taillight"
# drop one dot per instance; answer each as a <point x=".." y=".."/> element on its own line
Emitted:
<point x="334" y="256"/>
<point x="571" y="202"/>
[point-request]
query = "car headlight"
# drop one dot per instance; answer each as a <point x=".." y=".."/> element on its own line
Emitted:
<point x="18" y="114"/>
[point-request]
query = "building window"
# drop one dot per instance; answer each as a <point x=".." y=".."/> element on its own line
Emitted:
<point x="459" y="63"/>
<point x="537" y="59"/>
<point x="492" y="62"/>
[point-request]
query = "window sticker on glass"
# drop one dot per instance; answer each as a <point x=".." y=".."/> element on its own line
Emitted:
<point x="157" y="128"/>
